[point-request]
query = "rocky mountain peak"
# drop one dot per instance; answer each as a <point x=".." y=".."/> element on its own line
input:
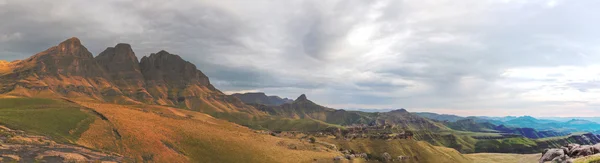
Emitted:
<point x="163" y="67"/>
<point x="73" y="41"/>
<point x="301" y="98"/>
<point x="69" y="57"/>
<point x="121" y="64"/>
<point x="400" y="111"/>
<point x="120" y="53"/>
<point x="162" y="52"/>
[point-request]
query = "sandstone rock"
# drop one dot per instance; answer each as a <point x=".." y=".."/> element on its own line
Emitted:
<point x="170" y="69"/>
<point x="68" y="69"/>
<point x="69" y="58"/>
<point x="123" y="68"/>
<point x="169" y="78"/>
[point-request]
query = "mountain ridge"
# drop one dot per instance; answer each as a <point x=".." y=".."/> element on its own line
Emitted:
<point x="261" y="98"/>
<point x="115" y="75"/>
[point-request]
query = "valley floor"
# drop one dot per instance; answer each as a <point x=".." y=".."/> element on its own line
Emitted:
<point x="503" y="158"/>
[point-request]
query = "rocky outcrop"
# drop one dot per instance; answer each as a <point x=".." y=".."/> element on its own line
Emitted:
<point x="172" y="80"/>
<point x="163" y="68"/>
<point x="69" y="58"/>
<point x="123" y="68"/>
<point x="68" y="69"/>
<point x="568" y="152"/>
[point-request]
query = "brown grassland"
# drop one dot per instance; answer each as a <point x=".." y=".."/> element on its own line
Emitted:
<point x="164" y="134"/>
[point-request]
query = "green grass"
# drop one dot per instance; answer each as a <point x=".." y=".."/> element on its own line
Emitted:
<point x="560" y="137"/>
<point x="275" y="123"/>
<point x="416" y="150"/>
<point x="508" y="145"/>
<point x="504" y="157"/>
<point x="62" y="121"/>
<point x="589" y="159"/>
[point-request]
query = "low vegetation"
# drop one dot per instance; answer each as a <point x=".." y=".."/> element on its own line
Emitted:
<point x="588" y="159"/>
<point x="503" y="158"/>
<point x="60" y="120"/>
<point x="413" y="151"/>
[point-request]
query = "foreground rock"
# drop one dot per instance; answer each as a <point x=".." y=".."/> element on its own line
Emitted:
<point x="566" y="153"/>
<point x="16" y="146"/>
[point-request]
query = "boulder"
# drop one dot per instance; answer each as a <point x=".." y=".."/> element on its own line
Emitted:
<point x="386" y="157"/>
<point x="552" y="154"/>
<point x="338" y="158"/>
<point x="583" y="150"/>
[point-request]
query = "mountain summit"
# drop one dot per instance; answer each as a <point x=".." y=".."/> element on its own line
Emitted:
<point x="301" y="98"/>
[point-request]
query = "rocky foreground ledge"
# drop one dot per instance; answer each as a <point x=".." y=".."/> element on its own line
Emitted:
<point x="567" y="153"/>
<point x="17" y="146"/>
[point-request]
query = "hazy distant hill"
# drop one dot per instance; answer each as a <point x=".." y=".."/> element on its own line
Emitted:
<point x="572" y="125"/>
<point x="303" y="108"/>
<point x="439" y="117"/>
<point x="369" y="110"/>
<point x="564" y="119"/>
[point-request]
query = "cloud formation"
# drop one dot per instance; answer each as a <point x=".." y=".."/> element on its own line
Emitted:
<point x="471" y="57"/>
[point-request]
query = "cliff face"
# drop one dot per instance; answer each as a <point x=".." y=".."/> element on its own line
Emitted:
<point x="169" y="69"/>
<point x="115" y="75"/>
<point x="122" y="67"/>
<point x="68" y="69"/>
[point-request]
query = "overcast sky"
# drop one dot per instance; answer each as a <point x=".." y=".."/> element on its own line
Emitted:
<point x="467" y="57"/>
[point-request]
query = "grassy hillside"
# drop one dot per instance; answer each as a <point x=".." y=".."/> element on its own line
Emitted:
<point x="588" y="159"/>
<point x="471" y="125"/>
<point x="528" y="146"/>
<point x="461" y="142"/>
<point x="504" y="157"/>
<point x="60" y="120"/>
<point x="508" y="145"/>
<point x="274" y="123"/>
<point x="152" y="133"/>
<point x="165" y="134"/>
<point x="417" y="151"/>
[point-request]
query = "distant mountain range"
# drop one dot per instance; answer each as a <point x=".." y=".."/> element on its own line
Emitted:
<point x="369" y="110"/>
<point x="303" y="108"/>
<point x="261" y="98"/>
<point x="564" y="119"/>
<point x="440" y="117"/>
<point x="572" y="125"/>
